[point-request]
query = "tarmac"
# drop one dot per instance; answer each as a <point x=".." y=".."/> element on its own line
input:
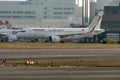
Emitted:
<point x="60" y="73"/>
<point x="60" y="54"/>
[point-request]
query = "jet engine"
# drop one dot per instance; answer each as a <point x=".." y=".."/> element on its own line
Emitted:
<point x="54" y="39"/>
<point x="12" y="38"/>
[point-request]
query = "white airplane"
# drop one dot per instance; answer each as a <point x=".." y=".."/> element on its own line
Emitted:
<point x="53" y="34"/>
<point x="56" y="34"/>
<point x="5" y="33"/>
<point x="8" y="35"/>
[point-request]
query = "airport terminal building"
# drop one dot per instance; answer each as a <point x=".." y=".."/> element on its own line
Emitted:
<point x="39" y="13"/>
<point x="110" y="22"/>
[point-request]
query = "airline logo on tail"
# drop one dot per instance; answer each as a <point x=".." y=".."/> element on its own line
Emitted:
<point x="3" y="23"/>
<point x="96" y="22"/>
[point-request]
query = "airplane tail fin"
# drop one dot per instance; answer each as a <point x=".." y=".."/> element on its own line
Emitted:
<point x="4" y="24"/>
<point x="96" y="22"/>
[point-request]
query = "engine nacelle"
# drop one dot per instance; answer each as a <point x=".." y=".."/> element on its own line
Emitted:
<point x="54" y="39"/>
<point x="12" y="38"/>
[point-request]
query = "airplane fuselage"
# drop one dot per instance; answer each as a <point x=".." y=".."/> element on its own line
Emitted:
<point x="55" y="34"/>
<point x="46" y="32"/>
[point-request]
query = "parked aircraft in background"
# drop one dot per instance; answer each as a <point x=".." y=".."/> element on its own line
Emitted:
<point x="8" y="35"/>
<point x="4" y="24"/>
<point x="57" y="34"/>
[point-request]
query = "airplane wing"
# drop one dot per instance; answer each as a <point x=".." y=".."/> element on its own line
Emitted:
<point x="76" y="36"/>
<point x="2" y="35"/>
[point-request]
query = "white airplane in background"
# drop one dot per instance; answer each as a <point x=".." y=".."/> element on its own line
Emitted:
<point x="7" y="34"/>
<point x="56" y="34"/>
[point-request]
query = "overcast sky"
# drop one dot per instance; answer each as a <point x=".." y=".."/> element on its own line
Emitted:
<point x="12" y="0"/>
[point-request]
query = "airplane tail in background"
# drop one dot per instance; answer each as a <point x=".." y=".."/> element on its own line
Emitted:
<point x="96" y="22"/>
<point x="4" y="24"/>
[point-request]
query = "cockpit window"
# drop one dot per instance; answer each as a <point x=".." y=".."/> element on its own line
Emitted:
<point x="22" y="31"/>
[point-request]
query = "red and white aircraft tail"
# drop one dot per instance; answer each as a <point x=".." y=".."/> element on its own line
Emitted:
<point x="96" y="22"/>
<point x="4" y="24"/>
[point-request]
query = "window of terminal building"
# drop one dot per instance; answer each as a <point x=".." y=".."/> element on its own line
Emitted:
<point x="45" y="17"/>
<point x="41" y="3"/>
<point x="68" y="13"/>
<point x="45" y="12"/>
<point x="5" y="16"/>
<point x="115" y="23"/>
<point x="30" y="17"/>
<point x="5" y="12"/>
<point x="119" y="9"/>
<point x="104" y="23"/>
<point x="57" y="17"/>
<point x="16" y="17"/>
<point x="33" y="12"/>
<point x="67" y="8"/>
<point x="8" y="16"/>
<point x="29" y="12"/>
<point x="57" y="12"/>
<point x="73" y="8"/>
<point x="111" y="24"/>
<point x="57" y="8"/>
<point x="45" y="8"/>
<point x="19" y="12"/>
<point x="111" y="10"/>
<point x="115" y="10"/>
<point x="14" y="12"/>
<point x="107" y="10"/>
<point x="118" y="23"/>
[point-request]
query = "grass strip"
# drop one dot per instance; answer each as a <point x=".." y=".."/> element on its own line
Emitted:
<point x="107" y="63"/>
<point x="25" y="45"/>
